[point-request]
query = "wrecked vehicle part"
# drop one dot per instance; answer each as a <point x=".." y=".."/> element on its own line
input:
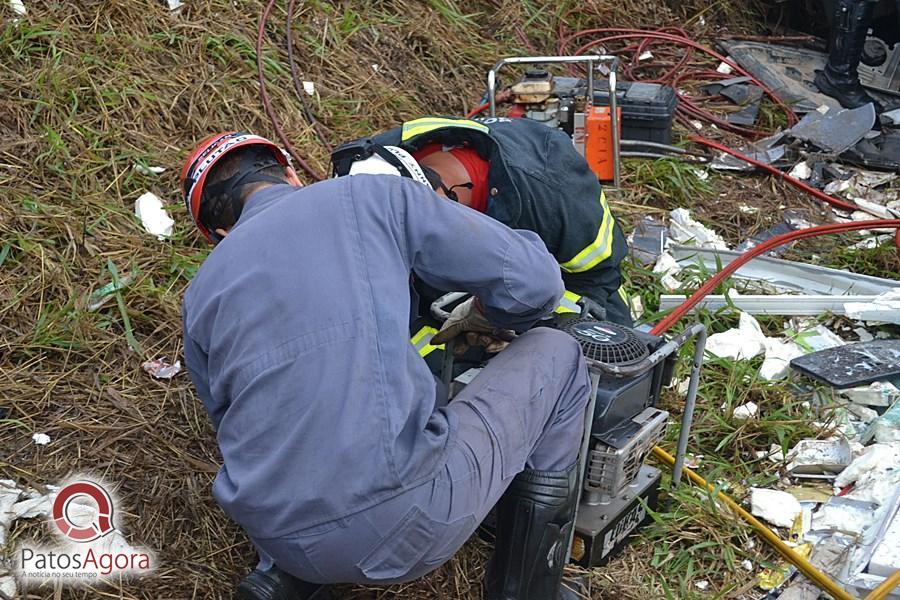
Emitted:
<point x="761" y="304"/>
<point x="785" y="275"/>
<point x="852" y="365"/>
<point x="837" y="130"/>
<point x="787" y="71"/>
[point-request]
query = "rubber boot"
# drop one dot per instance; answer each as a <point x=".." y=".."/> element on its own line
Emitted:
<point x="534" y="520"/>
<point x="275" y="584"/>
<point x="840" y="77"/>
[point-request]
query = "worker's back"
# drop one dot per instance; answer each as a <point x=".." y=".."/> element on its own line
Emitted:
<point x="298" y="322"/>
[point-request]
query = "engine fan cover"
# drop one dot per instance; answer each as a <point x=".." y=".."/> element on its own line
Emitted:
<point x="607" y="342"/>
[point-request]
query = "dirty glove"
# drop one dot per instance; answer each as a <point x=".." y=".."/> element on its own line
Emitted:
<point x="467" y="326"/>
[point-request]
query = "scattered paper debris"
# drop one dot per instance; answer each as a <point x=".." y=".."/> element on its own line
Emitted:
<point x="742" y="343"/>
<point x="41" y="439"/>
<point x="636" y="305"/>
<point x="376" y="67"/>
<point x="149" y="209"/>
<point x="745" y="411"/>
<point x="777" y="507"/>
<point x="697" y="125"/>
<point x="748" y="210"/>
<point x="161" y="369"/>
<point x="669" y="268"/>
<point x="724" y="68"/>
<point x="801" y="171"/>
<point x="875" y="474"/>
<point x="779" y="354"/>
<point x="701" y="174"/>
<point x="771" y="579"/>
<point x="646" y="55"/>
<point x="144" y="170"/>
<point x="310" y="88"/>
<point x="8" y="586"/>
<point x="685" y="230"/>
<point x="701" y="585"/>
<point x="747" y="564"/>
<point x="175" y="5"/>
<point x="18" y="7"/>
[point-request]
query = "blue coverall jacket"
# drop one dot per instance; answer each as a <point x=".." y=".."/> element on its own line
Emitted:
<point x="296" y="338"/>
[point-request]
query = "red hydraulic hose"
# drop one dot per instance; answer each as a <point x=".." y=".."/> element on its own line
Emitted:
<point x="264" y="97"/>
<point x="762" y="248"/>
<point x="836" y="202"/>
<point x="477" y="110"/>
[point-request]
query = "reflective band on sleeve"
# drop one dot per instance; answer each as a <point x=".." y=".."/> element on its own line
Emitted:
<point x="623" y="294"/>
<point x="421" y="339"/>
<point x="599" y="250"/>
<point x="568" y="303"/>
<point x="413" y="128"/>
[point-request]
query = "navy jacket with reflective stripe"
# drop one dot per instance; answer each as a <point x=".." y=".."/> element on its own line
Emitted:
<point x="296" y="335"/>
<point x="542" y="184"/>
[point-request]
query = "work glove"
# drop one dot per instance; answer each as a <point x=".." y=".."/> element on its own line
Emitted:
<point x="467" y="326"/>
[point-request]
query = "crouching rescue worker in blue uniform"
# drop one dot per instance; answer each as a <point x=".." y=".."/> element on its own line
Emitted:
<point x="527" y="176"/>
<point x="336" y="461"/>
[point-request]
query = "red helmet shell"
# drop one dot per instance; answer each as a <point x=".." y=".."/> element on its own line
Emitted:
<point x="205" y="156"/>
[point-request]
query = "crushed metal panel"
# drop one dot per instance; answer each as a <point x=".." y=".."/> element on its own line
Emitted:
<point x="787" y="71"/>
<point x="786" y="275"/>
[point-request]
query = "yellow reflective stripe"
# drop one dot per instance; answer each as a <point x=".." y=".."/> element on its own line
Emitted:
<point x="419" y="126"/>
<point x="421" y="339"/>
<point x="568" y="303"/>
<point x="623" y="294"/>
<point x="599" y="250"/>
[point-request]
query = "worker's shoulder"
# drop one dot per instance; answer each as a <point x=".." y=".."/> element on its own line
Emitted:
<point x="540" y="155"/>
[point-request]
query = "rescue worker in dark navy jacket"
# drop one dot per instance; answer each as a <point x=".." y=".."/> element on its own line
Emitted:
<point x="336" y="459"/>
<point x="527" y="176"/>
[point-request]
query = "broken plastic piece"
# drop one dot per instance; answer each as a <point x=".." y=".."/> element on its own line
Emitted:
<point x="777" y="507"/>
<point x="819" y="457"/>
<point x="845" y="515"/>
<point x="648" y="241"/>
<point x="836" y="130"/>
<point x="149" y="209"/>
<point x="685" y="229"/>
<point x="884" y="308"/>
<point x="852" y="365"/>
<point x="880" y="393"/>
<point x="18" y="7"/>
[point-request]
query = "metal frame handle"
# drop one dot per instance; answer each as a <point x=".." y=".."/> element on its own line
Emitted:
<point x="590" y="59"/>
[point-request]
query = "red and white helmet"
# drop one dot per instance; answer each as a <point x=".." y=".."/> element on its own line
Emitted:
<point x="208" y="153"/>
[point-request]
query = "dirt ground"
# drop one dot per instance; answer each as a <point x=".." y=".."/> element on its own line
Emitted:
<point x="92" y="89"/>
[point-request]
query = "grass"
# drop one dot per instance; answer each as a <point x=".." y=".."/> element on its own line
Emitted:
<point x="91" y="89"/>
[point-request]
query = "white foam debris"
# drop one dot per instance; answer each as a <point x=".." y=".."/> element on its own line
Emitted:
<point x="149" y="209"/>
<point x="777" y="507"/>
<point x="41" y="439"/>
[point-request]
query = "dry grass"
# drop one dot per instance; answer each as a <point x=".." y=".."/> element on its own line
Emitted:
<point x="90" y="89"/>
